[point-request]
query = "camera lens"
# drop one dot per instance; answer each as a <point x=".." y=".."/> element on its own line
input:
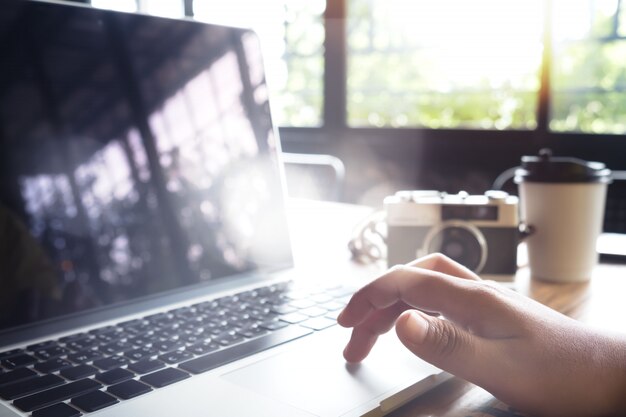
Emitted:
<point x="453" y="250"/>
<point x="460" y="244"/>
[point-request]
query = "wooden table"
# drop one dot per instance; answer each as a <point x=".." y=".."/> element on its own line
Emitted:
<point x="320" y="235"/>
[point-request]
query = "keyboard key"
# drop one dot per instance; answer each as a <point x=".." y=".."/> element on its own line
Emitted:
<point x="57" y="410"/>
<point x="54" y="395"/>
<point x="145" y="366"/>
<point x="164" y="377"/>
<point x="129" y="389"/>
<point x="251" y="331"/>
<point x="115" y="347"/>
<point x="314" y="311"/>
<point x="52" y="365"/>
<point x="110" y="363"/>
<point x="82" y="344"/>
<point x="318" y="323"/>
<point x="40" y="345"/>
<point x="203" y="347"/>
<point x="19" y="360"/>
<point x="283" y="309"/>
<point x="140" y="353"/>
<point x="224" y="356"/>
<point x="297" y="295"/>
<point x="84" y="356"/>
<point x="228" y="338"/>
<point x="175" y="357"/>
<point x="16" y="375"/>
<point x="114" y="376"/>
<point x="273" y="324"/>
<point x="321" y="298"/>
<point x="29" y="386"/>
<point x="333" y="314"/>
<point x="51" y="352"/>
<point x="260" y="312"/>
<point x="140" y="328"/>
<point x="341" y="292"/>
<point x="294" y="318"/>
<point x="78" y="372"/>
<point x="228" y="300"/>
<point x="333" y="305"/>
<point x="206" y="306"/>
<point x="345" y="299"/>
<point x="302" y="303"/>
<point x="168" y="346"/>
<point x="184" y="312"/>
<point x="143" y="340"/>
<point x="9" y="353"/>
<point x="94" y="401"/>
<point x="190" y="339"/>
<point x="167" y="333"/>
<point x="109" y="337"/>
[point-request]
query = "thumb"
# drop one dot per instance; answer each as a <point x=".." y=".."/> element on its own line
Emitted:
<point x="441" y="343"/>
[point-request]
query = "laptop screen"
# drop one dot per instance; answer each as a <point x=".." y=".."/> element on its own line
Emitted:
<point x="137" y="157"/>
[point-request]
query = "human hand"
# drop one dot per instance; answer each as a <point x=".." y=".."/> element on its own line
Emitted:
<point x="526" y="354"/>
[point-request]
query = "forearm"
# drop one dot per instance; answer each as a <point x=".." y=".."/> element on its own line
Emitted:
<point x="596" y="374"/>
<point x="615" y="364"/>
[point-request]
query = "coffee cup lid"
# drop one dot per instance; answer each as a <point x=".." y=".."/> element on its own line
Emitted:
<point x="548" y="168"/>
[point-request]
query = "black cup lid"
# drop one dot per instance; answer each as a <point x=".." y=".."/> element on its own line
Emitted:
<point x="548" y="168"/>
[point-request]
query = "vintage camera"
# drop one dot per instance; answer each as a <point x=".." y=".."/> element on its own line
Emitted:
<point x="478" y="231"/>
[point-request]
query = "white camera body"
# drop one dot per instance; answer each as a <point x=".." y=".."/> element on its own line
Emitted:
<point x="478" y="231"/>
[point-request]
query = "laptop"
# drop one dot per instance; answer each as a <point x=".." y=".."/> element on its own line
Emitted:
<point x="145" y="260"/>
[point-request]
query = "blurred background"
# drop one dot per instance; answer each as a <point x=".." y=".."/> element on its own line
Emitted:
<point x="373" y="96"/>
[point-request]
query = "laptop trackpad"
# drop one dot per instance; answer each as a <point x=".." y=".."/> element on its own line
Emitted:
<point x="313" y="376"/>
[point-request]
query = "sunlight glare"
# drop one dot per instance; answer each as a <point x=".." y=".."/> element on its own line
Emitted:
<point x="573" y="17"/>
<point x="473" y="41"/>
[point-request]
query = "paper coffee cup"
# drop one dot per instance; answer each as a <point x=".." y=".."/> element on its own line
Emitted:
<point x="562" y="202"/>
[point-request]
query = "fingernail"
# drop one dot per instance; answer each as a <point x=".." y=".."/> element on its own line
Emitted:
<point x="416" y="327"/>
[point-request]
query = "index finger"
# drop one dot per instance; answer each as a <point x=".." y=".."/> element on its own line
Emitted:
<point x="420" y="288"/>
<point x="441" y="263"/>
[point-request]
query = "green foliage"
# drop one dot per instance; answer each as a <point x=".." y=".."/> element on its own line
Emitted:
<point x="402" y="81"/>
<point x="395" y="81"/>
<point x="301" y="98"/>
<point x="589" y="87"/>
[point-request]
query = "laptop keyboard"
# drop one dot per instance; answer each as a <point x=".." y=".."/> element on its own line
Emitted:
<point x="86" y="372"/>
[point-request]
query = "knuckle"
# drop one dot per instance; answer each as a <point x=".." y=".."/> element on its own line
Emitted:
<point x="490" y="283"/>
<point x="447" y="339"/>
<point x="398" y="268"/>
<point x="484" y="290"/>
<point x="496" y="289"/>
<point x="439" y="258"/>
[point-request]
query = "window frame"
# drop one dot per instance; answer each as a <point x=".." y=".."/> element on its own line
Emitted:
<point x="437" y="149"/>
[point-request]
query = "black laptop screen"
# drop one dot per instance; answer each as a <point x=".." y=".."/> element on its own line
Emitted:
<point x="137" y="156"/>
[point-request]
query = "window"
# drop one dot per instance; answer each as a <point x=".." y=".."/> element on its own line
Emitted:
<point x="438" y="63"/>
<point x="444" y="63"/>
<point x="589" y="66"/>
